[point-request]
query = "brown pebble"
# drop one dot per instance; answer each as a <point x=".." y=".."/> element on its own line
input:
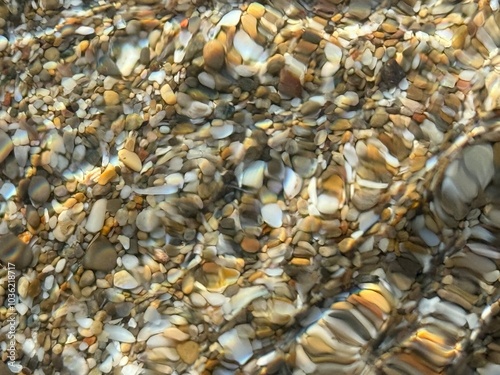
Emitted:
<point x="188" y="351"/>
<point x="250" y="245"/>
<point x="213" y="54"/>
<point x="289" y="84"/>
<point x="111" y="97"/>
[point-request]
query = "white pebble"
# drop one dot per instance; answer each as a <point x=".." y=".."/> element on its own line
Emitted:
<point x="130" y="262"/>
<point x="247" y="47"/>
<point x="95" y="220"/>
<point x="4" y="42"/>
<point x="22" y="309"/>
<point x="158" y="76"/>
<point x="327" y="204"/>
<point x="292" y="183"/>
<point x="230" y="19"/>
<point x="253" y="176"/>
<point x="123" y="280"/>
<point x="84" y="30"/>
<point x="272" y="215"/>
<point x="147" y="220"/>
<point x="119" y="333"/>
<point x="221" y="132"/>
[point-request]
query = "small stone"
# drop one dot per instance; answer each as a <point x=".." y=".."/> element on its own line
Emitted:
<point x="250" y="245"/>
<point x="188" y="351"/>
<point x="52" y="54"/>
<point x="147" y="220"/>
<point x="327" y="204"/>
<point x="304" y="166"/>
<point x="391" y="74"/>
<point x="124" y="280"/>
<point x="13" y="250"/>
<point x="379" y="118"/>
<point x="133" y="121"/>
<point x="108" y="67"/>
<point x="248" y="49"/>
<point x="257" y="10"/>
<point x="95" y="220"/>
<point x="292" y="184"/>
<point x="32" y="216"/>
<point x="360" y="9"/>
<point x="6" y="145"/>
<point x="275" y="64"/>
<point x="289" y="84"/>
<point x="231" y="18"/>
<point x="214" y="54"/>
<point x="272" y="215"/>
<point x="249" y="24"/>
<point x="4" y="43"/>
<point x="168" y="95"/>
<point x="253" y="176"/>
<point x="106" y="176"/>
<point x="119" y="333"/>
<point x="346" y="244"/>
<point x="130" y="159"/>
<point x="39" y="190"/>
<point x="50" y="4"/>
<point x="100" y="255"/>
<point x="87" y="279"/>
<point x="310" y="107"/>
<point x="111" y="97"/>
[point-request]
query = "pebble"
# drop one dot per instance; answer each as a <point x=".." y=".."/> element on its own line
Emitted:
<point x="360" y="9"/>
<point x="111" y="98"/>
<point x="272" y="215"/>
<point x="124" y="280"/>
<point x="133" y="121"/>
<point x="231" y="18"/>
<point x="6" y="145"/>
<point x="214" y="54"/>
<point x="39" y="190"/>
<point x="100" y="255"/>
<point x="52" y="54"/>
<point x="168" y="95"/>
<point x="4" y="43"/>
<point x="95" y="220"/>
<point x="118" y="333"/>
<point x="106" y="66"/>
<point x="130" y="159"/>
<point x="275" y="64"/>
<point x="221" y="132"/>
<point x="13" y="250"/>
<point x="248" y="49"/>
<point x="147" y="220"/>
<point x="188" y="351"/>
<point x="292" y="184"/>
<point x="87" y="279"/>
<point x="250" y="245"/>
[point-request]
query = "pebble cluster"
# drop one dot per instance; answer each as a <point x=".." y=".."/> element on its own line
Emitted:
<point x="274" y="187"/>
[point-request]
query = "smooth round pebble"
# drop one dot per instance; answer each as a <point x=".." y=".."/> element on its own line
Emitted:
<point x="213" y="54"/>
<point x="13" y="250"/>
<point x="39" y="190"/>
<point x="100" y="255"/>
<point x="147" y="220"/>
